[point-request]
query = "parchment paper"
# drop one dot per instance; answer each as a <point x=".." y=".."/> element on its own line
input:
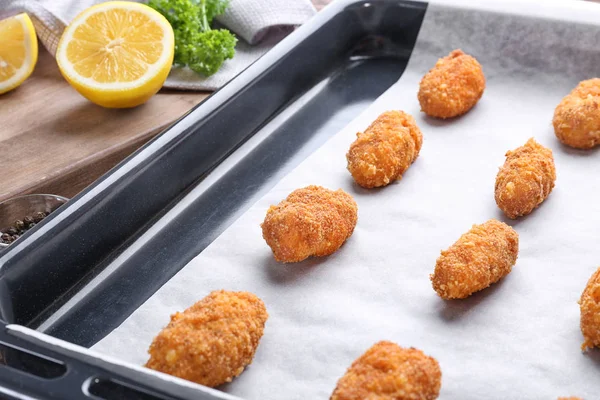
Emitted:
<point x="519" y="339"/>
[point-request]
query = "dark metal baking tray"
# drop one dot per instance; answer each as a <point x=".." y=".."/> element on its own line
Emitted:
<point x="86" y="268"/>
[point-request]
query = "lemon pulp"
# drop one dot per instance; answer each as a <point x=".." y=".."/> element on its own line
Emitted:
<point x="117" y="54"/>
<point x="18" y="51"/>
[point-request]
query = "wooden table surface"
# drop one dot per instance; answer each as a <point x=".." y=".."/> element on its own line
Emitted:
<point x="52" y="140"/>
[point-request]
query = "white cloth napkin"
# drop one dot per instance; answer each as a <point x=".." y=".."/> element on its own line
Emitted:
<point x="259" y="24"/>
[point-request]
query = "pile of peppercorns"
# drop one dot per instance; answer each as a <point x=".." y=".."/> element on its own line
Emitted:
<point x="21" y="226"/>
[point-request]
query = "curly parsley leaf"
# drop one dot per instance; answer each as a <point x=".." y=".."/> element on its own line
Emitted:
<point x="215" y="8"/>
<point x="197" y="45"/>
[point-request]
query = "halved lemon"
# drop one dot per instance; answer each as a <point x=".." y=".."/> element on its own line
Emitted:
<point x="117" y="54"/>
<point x="18" y="51"/>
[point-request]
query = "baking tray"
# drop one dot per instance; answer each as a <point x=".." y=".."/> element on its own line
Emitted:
<point x="81" y="272"/>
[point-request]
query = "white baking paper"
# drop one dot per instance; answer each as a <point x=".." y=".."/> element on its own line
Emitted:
<point x="519" y="339"/>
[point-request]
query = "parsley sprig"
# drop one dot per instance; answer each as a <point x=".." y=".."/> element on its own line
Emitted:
<point x="197" y="45"/>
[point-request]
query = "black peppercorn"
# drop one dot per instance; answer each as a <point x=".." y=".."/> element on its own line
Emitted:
<point x="20" y="225"/>
<point x="38" y="217"/>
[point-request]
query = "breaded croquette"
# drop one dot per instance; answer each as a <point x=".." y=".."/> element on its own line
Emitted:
<point x="525" y="180"/>
<point x="480" y="257"/>
<point x="452" y="87"/>
<point x="313" y="221"/>
<point x="589" y="305"/>
<point x="577" y="117"/>
<point x="211" y="342"/>
<point x="385" y="150"/>
<point x="389" y="372"/>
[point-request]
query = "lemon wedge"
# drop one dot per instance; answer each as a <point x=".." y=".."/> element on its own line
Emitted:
<point x="18" y="51"/>
<point x="117" y="54"/>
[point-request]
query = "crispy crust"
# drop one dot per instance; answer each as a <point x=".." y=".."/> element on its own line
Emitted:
<point x="211" y="342"/>
<point x="570" y="398"/>
<point x="385" y="150"/>
<point x="577" y="117"/>
<point x="525" y="180"/>
<point x="452" y="87"/>
<point x="389" y="372"/>
<point x="480" y="257"/>
<point x="589" y="305"/>
<point x="313" y="221"/>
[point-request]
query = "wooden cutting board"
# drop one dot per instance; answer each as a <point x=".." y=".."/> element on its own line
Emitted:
<point x="52" y="140"/>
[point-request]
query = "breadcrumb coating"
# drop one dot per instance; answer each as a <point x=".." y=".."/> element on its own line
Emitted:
<point x="577" y="117"/>
<point x="525" y="180"/>
<point x="312" y="221"/>
<point x="589" y="305"/>
<point x="452" y="87"/>
<point x="211" y="342"/>
<point x="480" y="257"/>
<point x="385" y="150"/>
<point x="570" y="398"/>
<point x="389" y="372"/>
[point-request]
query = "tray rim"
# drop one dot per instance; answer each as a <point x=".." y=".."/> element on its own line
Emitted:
<point x="580" y="11"/>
